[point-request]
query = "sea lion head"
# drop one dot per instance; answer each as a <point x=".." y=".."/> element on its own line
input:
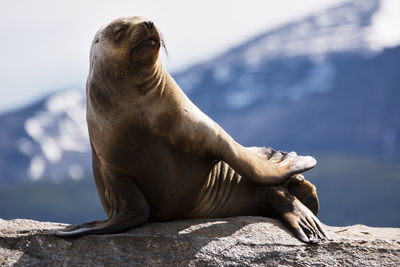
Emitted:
<point x="127" y="44"/>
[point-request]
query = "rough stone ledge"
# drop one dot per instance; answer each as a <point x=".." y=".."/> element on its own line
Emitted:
<point x="236" y="241"/>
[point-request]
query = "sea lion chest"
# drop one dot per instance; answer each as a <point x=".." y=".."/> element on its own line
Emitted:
<point x="169" y="176"/>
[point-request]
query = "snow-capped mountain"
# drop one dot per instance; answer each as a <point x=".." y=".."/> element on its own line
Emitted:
<point x="322" y="84"/>
<point x="48" y="139"/>
<point x="243" y="72"/>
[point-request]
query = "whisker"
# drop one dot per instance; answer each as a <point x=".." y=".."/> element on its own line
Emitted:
<point x="163" y="44"/>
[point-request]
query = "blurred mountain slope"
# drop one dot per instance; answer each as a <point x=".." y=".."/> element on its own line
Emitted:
<point x="316" y="85"/>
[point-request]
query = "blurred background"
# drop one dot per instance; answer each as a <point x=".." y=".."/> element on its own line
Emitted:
<point x="316" y="77"/>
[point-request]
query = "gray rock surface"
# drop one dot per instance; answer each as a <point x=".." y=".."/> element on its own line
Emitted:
<point x="239" y="241"/>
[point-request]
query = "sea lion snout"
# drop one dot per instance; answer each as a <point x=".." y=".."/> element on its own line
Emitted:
<point x="145" y="41"/>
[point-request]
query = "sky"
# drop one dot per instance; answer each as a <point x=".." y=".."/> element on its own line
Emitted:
<point x="44" y="45"/>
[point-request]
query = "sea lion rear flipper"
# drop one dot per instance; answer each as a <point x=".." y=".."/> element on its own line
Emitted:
<point x="304" y="191"/>
<point x="294" y="215"/>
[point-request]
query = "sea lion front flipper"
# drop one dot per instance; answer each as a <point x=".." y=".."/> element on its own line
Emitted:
<point x="263" y="165"/>
<point x="123" y="201"/>
<point x="294" y="215"/>
<point x="116" y="224"/>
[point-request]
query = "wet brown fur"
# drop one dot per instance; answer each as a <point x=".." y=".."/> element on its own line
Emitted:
<point x="157" y="157"/>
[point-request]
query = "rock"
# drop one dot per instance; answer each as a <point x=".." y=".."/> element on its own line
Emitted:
<point x="239" y="241"/>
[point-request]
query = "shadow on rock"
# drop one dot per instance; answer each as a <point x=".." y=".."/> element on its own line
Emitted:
<point x="173" y="243"/>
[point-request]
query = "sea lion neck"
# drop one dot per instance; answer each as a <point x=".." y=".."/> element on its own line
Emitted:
<point x="110" y="93"/>
<point x="145" y="80"/>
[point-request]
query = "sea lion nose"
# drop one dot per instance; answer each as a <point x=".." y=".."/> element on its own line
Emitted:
<point x="149" y="24"/>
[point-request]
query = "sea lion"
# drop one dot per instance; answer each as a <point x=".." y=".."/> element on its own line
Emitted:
<point x="157" y="157"/>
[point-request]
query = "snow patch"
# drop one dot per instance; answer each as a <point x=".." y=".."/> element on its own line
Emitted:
<point x="245" y="95"/>
<point x="25" y="146"/>
<point x="239" y="100"/>
<point x="385" y="28"/>
<point x="222" y="73"/>
<point x="76" y="172"/>
<point x="33" y="128"/>
<point x="51" y="149"/>
<point x="36" y="168"/>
